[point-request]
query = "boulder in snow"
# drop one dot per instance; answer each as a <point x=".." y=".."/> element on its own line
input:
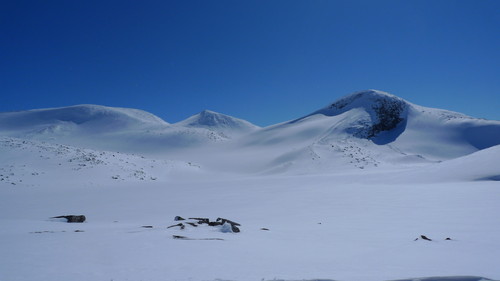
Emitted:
<point x="72" y="218"/>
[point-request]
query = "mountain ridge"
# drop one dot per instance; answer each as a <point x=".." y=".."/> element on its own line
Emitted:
<point x="363" y="129"/>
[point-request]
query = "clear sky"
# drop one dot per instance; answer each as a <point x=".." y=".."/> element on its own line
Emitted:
<point x="263" y="61"/>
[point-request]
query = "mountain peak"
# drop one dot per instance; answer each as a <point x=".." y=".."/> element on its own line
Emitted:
<point x="366" y="98"/>
<point x="219" y="122"/>
<point x="385" y="111"/>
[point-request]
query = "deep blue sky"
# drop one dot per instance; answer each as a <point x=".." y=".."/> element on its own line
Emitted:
<point x="263" y="61"/>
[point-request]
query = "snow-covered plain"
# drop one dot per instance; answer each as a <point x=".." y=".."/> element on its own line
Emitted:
<point x="334" y="195"/>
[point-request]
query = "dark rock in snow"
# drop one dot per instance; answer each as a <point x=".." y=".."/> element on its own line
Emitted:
<point x="425" y="238"/>
<point x="147" y="226"/>
<point x="222" y="220"/>
<point x="218" y="222"/>
<point x="187" y="238"/>
<point x="235" y="229"/>
<point x="234" y="225"/>
<point x="201" y="220"/>
<point x="215" y="223"/>
<point x="181" y="225"/>
<point x="178" y="218"/>
<point x="72" y="218"/>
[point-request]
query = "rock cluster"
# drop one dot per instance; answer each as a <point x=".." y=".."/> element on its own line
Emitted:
<point x="226" y="225"/>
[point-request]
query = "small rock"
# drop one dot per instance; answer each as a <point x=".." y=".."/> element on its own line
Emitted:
<point x="201" y="220"/>
<point x="181" y="225"/>
<point x="425" y="238"/>
<point x="215" y="223"/>
<point x="266" y="229"/>
<point x="223" y="220"/>
<point x="72" y="218"/>
<point x="147" y="226"/>
<point x="179" y="218"/>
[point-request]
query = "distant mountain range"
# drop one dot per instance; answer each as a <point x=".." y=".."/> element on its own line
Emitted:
<point x="361" y="130"/>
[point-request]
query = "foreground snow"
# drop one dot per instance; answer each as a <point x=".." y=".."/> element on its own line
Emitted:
<point x="349" y="226"/>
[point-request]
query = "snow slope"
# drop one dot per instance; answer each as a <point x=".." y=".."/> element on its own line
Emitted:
<point x="30" y="163"/>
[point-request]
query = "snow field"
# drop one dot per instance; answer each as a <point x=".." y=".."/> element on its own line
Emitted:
<point x="323" y="229"/>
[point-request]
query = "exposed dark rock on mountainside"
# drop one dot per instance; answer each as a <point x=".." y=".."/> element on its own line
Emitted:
<point x="386" y="111"/>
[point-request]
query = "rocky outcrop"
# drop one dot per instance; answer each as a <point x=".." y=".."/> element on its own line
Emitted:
<point x="225" y="225"/>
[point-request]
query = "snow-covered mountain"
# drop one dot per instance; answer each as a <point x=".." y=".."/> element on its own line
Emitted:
<point x="90" y="119"/>
<point x="107" y="128"/>
<point x="368" y="129"/>
<point x="225" y="124"/>
<point x="362" y="130"/>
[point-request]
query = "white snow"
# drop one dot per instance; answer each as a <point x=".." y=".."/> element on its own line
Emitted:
<point x="315" y="199"/>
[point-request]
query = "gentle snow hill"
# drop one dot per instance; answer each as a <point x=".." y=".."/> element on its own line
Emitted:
<point x="104" y="128"/>
<point x="482" y="165"/>
<point x="225" y="124"/>
<point x="79" y="118"/>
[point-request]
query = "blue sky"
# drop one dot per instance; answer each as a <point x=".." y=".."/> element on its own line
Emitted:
<point x="263" y="61"/>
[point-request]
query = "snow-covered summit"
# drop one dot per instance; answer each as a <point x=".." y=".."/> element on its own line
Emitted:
<point x="218" y="122"/>
<point x="385" y="111"/>
<point x="365" y="98"/>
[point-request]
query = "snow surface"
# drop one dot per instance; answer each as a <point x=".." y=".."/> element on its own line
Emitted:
<point x="316" y="197"/>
